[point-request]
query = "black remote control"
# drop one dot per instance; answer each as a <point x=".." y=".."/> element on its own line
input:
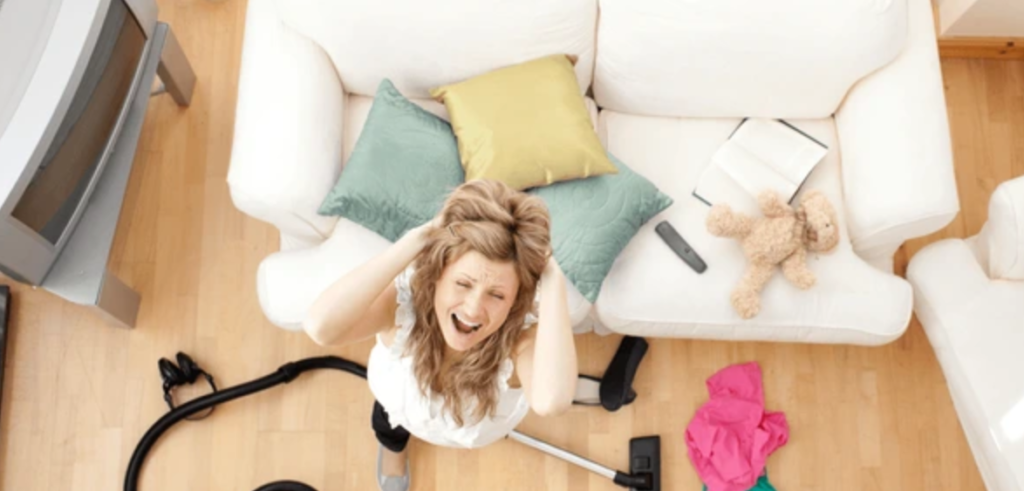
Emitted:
<point x="680" y="247"/>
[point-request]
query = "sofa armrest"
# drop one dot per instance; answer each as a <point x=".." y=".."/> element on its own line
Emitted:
<point x="1000" y="244"/>
<point x="287" y="151"/>
<point x="950" y="288"/>
<point x="898" y="176"/>
<point x="946" y="275"/>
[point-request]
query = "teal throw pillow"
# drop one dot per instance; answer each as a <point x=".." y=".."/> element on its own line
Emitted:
<point x="403" y="166"/>
<point x="593" y="219"/>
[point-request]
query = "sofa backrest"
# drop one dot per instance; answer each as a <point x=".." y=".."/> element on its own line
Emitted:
<point x="421" y="44"/>
<point x="1000" y="245"/>
<point x="737" y="58"/>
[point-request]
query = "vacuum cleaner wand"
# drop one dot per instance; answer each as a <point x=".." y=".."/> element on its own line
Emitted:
<point x="646" y="478"/>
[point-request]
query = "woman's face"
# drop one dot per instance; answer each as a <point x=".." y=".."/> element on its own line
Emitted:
<point x="473" y="298"/>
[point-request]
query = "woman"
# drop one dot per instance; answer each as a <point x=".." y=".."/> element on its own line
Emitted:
<point x="452" y="306"/>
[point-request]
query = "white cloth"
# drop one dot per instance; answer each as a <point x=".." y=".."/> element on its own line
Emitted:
<point x="393" y="382"/>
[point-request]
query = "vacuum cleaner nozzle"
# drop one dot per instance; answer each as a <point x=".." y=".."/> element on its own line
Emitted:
<point x="644" y="465"/>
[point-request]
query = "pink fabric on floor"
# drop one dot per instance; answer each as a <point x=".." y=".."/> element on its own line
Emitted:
<point x="731" y="436"/>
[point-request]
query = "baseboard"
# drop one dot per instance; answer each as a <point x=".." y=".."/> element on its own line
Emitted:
<point x="1001" y="48"/>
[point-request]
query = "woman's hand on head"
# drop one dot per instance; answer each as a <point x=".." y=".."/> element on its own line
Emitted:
<point x="551" y="268"/>
<point x="426" y="227"/>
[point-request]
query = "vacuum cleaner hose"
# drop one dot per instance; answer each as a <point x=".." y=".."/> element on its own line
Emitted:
<point x="286" y="373"/>
<point x="641" y="449"/>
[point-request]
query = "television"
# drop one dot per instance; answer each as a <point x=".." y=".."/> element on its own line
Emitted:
<point x="68" y="72"/>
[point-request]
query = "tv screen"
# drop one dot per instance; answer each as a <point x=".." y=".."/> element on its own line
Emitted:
<point x="63" y="178"/>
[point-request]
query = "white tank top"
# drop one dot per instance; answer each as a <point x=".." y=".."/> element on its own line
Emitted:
<point x="393" y="383"/>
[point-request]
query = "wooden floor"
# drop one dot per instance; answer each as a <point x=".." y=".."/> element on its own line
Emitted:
<point x="78" y="394"/>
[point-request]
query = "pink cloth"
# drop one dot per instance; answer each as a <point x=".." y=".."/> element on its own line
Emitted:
<point x="731" y="435"/>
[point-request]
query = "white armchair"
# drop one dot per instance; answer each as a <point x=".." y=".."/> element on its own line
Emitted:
<point x="970" y="301"/>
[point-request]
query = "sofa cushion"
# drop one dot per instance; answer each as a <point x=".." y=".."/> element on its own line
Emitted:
<point x="651" y="292"/>
<point x="593" y="219"/>
<point x="404" y="165"/>
<point x="420" y="45"/>
<point x="525" y="125"/>
<point x="357" y="110"/>
<point x="735" y="58"/>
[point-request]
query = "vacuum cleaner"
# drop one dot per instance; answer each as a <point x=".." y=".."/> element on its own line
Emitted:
<point x="612" y="391"/>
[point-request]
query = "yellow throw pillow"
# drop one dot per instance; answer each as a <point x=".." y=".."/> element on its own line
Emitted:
<point x="525" y="125"/>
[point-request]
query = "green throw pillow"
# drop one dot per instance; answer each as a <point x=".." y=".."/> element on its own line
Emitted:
<point x="404" y="164"/>
<point x="593" y="219"/>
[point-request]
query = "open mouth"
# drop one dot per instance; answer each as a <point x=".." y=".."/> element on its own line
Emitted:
<point x="463" y="327"/>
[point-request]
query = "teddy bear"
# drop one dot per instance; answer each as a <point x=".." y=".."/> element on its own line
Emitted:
<point x="782" y="237"/>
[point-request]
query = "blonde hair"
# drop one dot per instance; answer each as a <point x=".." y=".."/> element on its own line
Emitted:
<point x="502" y="224"/>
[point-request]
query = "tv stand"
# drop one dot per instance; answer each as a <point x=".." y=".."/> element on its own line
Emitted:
<point x="81" y="274"/>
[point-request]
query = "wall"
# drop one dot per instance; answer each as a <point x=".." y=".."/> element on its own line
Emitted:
<point x="981" y="18"/>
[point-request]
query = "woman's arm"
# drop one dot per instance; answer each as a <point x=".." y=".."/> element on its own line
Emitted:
<point x="547" y="361"/>
<point x="363" y="302"/>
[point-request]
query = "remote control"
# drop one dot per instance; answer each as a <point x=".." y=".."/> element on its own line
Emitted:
<point x="680" y="247"/>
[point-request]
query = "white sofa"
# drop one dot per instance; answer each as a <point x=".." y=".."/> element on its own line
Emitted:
<point x="667" y="81"/>
<point x="970" y="301"/>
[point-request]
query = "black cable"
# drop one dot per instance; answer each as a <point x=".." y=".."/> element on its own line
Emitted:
<point x="286" y="373"/>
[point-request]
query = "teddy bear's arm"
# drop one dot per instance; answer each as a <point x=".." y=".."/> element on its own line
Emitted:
<point x="723" y="222"/>
<point x="772" y="205"/>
